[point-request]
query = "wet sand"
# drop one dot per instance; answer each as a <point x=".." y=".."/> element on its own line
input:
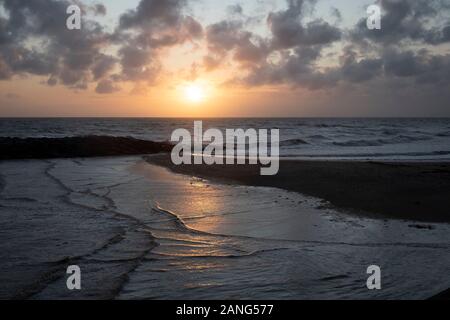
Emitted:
<point x="411" y="191"/>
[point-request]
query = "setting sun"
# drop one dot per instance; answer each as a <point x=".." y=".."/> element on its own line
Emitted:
<point x="194" y="93"/>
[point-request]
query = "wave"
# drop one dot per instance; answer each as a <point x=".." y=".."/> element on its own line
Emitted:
<point x="379" y="142"/>
<point x="337" y="125"/>
<point x="77" y="147"/>
<point x="391" y="132"/>
<point x="292" y="142"/>
<point x="220" y="256"/>
<point x="318" y="136"/>
<point x="367" y="155"/>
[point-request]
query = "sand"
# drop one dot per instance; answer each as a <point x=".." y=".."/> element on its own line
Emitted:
<point x="410" y="191"/>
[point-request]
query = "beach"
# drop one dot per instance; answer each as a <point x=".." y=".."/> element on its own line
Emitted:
<point x="387" y="190"/>
<point x="104" y="195"/>
<point x="140" y="231"/>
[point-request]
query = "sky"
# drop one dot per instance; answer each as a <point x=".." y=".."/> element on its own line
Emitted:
<point x="229" y="58"/>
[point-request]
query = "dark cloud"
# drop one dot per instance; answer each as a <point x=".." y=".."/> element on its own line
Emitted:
<point x="296" y="69"/>
<point x="154" y="13"/>
<point x="64" y="55"/>
<point x="52" y="81"/>
<point x="438" y="36"/>
<point x="368" y="55"/>
<point x="159" y="23"/>
<point x="235" y="9"/>
<point x="106" y="86"/>
<point x="357" y="71"/>
<point x="137" y="64"/>
<point x="223" y="36"/>
<point x="153" y="26"/>
<point x="193" y="28"/>
<point x="230" y="38"/>
<point x="288" y="30"/>
<point x="408" y="20"/>
<point x="422" y="67"/>
<point x="99" y="9"/>
<point x="103" y="65"/>
<point x="75" y="58"/>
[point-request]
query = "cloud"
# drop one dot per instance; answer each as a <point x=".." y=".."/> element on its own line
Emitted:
<point x="422" y="67"/>
<point x="103" y="65"/>
<point x="158" y="23"/>
<point x="295" y="69"/>
<point x="408" y="20"/>
<point x="65" y="56"/>
<point x="99" y="9"/>
<point x="75" y="58"/>
<point x="153" y="13"/>
<point x="235" y="9"/>
<point x="106" y="86"/>
<point x="137" y="64"/>
<point x="366" y="56"/>
<point x="298" y="44"/>
<point x="228" y="38"/>
<point x="142" y="33"/>
<point x="357" y="70"/>
<point x="288" y="30"/>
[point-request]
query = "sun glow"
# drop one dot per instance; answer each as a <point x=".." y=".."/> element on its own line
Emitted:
<point x="194" y="93"/>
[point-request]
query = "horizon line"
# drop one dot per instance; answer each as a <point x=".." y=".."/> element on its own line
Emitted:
<point x="224" y="117"/>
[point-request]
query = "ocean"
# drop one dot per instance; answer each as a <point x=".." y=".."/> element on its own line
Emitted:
<point x="308" y="138"/>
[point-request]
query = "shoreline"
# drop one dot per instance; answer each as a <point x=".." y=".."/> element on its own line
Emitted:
<point x="415" y="191"/>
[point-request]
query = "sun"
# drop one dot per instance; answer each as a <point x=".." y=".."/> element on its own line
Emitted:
<point x="194" y="93"/>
